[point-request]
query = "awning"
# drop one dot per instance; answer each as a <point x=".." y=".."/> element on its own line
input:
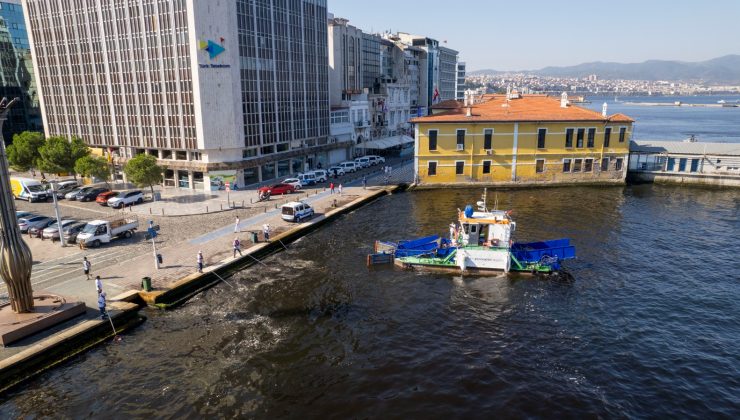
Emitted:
<point x="386" y="142"/>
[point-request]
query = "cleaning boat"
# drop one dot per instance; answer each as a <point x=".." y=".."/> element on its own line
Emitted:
<point x="480" y="242"/>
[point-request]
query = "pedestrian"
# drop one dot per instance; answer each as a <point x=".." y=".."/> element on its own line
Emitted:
<point x="266" y="231"/>
<point x="200" y="261"/>
<point x="237" y="247"/>
<point x="86" y="267"/>
<point x="364" y="181"/>
<point x="98" y="284"/>
<point x="236" y="225"/>
<point x="331" y="188"/>
<point x="340" y="189"/>
<point x="101" y="305"/>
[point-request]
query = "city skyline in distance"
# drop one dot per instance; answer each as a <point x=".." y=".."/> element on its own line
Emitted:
<point x="537" y="34"/>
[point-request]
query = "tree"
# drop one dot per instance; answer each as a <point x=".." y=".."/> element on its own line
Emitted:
<point x="93" y="166"/>
<point x="60" y="155"/>
<point x="23" y="154"/>
<point x="143" y="171"/>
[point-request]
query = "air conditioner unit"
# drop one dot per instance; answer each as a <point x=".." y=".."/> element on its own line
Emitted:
<point x="489" y="152"/>
<point x="460" y="147"/>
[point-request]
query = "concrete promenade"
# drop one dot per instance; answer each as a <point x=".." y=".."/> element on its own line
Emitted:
<point x="60" y="271"/>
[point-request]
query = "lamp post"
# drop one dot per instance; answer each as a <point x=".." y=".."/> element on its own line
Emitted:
<point x="56" y="210"/>
<point x="15" y="256"/>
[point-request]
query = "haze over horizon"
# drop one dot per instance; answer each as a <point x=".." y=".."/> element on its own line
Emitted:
<point x="541" y="33"/>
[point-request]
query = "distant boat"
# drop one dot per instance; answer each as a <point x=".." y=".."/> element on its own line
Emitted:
<point x="721" y="101"/>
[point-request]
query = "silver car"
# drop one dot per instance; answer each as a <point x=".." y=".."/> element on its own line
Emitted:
<point x="26" y="223"/>
<point x="52" y="231"/>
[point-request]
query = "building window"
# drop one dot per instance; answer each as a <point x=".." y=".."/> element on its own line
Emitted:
<point x="577" y="165"/>
<point x="541" y="133"/>
<point x="181" y="155"/>
<point x="588" y="165"/>
<point x="579" y="137"/>
<point x="618" y="164"/>
<point x="459" y="167"/>
<point x="607" y="135"/>
<point x="486" y="166"/>
<point x="488" y="139"/>
<point x="569" y="137"/>
<point x="460" y="139"/>
<point x="566" y="165"/>
<point x="539" y="166"/>
<point x="604" y="164"/>
<point x="432" y="168"/>
<point x="433" y="140"/>
<point x="622" y="134"/>
<point x="591" y="137"/>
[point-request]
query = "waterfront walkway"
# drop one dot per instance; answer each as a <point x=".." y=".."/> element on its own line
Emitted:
<point x="59" y="270"/>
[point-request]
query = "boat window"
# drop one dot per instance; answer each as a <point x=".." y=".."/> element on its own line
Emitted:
<point x="466" y="228"/>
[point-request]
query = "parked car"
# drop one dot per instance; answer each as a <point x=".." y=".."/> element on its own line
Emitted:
<point x="63" y="187"/>
<point x="127" y="198"/>
<point x="70" y="232"/>
<point x="277" y="189"/>
<point x="321" y="175"/>
<point x="363" y="162"/>
<point x="349" y="166"/>
<point x="72" y="195"/>
<point x="307" y="179"/>
<point x="103" y="198"/>
<point x="52" y="231"/>
<point x="21" y="214"/>
<point x="296" y="211"/>
<point x="30" y="222"/>
<point x="336" y="171"/>
<point x="90" y="194"/>
<point x="295" y="182"/>
<point x="375" y="159"/>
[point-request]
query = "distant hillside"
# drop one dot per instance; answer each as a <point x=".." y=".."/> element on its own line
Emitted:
<point x="722" y="70"/>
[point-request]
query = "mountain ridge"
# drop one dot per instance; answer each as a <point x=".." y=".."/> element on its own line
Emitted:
<point x="719" y="70"/>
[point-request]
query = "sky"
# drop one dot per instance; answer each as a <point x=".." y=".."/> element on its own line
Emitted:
<point x="531" y="34"/>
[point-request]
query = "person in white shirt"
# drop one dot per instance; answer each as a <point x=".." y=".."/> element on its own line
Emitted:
<point x="236" y="225"/>
<point x="266" y="231"/>
<point x="200" y="261"/>
<point x="101" y="305"/>
<point x="86" y="267"/>
<point x="98" y="284"/>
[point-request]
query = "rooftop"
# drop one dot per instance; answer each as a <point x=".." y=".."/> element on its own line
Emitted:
<point x="496" y="108"/>
<point x="687" y="148"/>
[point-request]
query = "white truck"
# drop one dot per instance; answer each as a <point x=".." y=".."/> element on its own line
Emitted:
<point x="99" y="232"/>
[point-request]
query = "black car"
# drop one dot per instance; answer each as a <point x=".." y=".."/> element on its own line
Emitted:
<point x="90" y="194"/>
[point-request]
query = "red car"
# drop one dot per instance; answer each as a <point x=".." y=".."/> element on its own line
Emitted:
<point x="278" y="189"/>
<point x="102" y="198"/>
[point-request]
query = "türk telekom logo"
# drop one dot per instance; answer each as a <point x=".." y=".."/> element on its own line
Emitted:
<point x="213" y="49"/>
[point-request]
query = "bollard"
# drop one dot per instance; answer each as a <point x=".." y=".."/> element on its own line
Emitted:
<point x="265" y="209"/>
<point x="206" y="209"/>
<point x="250" y="201"/>
<point x="162" y="211"/>
<point x="222" y="206"/>
<point x="242" y="203"/>
<point x="150" y="210"/>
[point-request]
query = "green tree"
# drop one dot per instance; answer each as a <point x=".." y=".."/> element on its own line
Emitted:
<point x="93" y="166"/>
<point x="143" y="171"/>
<point x="23" y="154"/>
<point x="60" y="155"/>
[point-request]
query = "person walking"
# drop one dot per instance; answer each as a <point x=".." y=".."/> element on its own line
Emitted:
<point x="98" y="285"/>
<point x="101" y="305"/>
<point x="200" y="261"/>
<point x="340" y="189"/>
<point x="236" y="225"/>
<point x="266" y="232"/>
<point x="364" y="181"/>
<point x="331" y="188"/>
<point x="237" y="247"/>
<point x="86" y="267"/>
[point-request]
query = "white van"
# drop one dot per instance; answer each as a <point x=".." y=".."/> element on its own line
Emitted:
<point x="28" y="189"/>
<point x="321" y="175"/>
<point x="296" y="211"/>
<point x="307" y="179"/>
<point x="362" y="162"/>
<point x="348" y="166"/>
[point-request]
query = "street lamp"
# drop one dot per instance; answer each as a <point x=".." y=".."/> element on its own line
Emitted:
<point x="15" y="256"/>
<point x="56" y="210"/>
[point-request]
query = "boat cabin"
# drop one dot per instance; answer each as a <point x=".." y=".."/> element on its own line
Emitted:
<point x="492" y="229"/>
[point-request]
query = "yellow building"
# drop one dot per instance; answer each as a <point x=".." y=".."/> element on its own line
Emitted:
<point x="525" y="139"/>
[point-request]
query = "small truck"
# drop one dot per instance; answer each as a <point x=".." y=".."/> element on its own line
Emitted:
<point x="99" y="232"/>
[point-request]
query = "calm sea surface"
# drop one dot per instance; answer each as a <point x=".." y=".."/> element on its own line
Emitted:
<point x="677" y="123"/>
<point x="647" y="327"/>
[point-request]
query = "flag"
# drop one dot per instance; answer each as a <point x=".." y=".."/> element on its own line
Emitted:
<point x="435" y="97"/>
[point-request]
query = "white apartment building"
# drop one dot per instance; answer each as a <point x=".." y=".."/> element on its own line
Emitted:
<point x="227" y="89"/>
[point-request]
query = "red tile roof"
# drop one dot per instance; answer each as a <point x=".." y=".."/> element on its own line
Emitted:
<point x="535" y="108"/>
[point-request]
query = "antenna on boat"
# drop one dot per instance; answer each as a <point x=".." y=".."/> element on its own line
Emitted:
<point x="482" y="204"/>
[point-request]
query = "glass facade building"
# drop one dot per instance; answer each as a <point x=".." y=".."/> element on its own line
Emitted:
<point x="16" y="71"/>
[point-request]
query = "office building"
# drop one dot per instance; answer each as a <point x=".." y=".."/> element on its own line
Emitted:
<point x="447" y="74"/>
<point x="460" y="88"/>
<point x="16" y="71"/>
<point x="520" y="139"/>
<point x="231" y="90"/>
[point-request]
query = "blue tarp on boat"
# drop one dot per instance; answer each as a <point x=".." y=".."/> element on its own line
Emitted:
<point x="531" y="252"/>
